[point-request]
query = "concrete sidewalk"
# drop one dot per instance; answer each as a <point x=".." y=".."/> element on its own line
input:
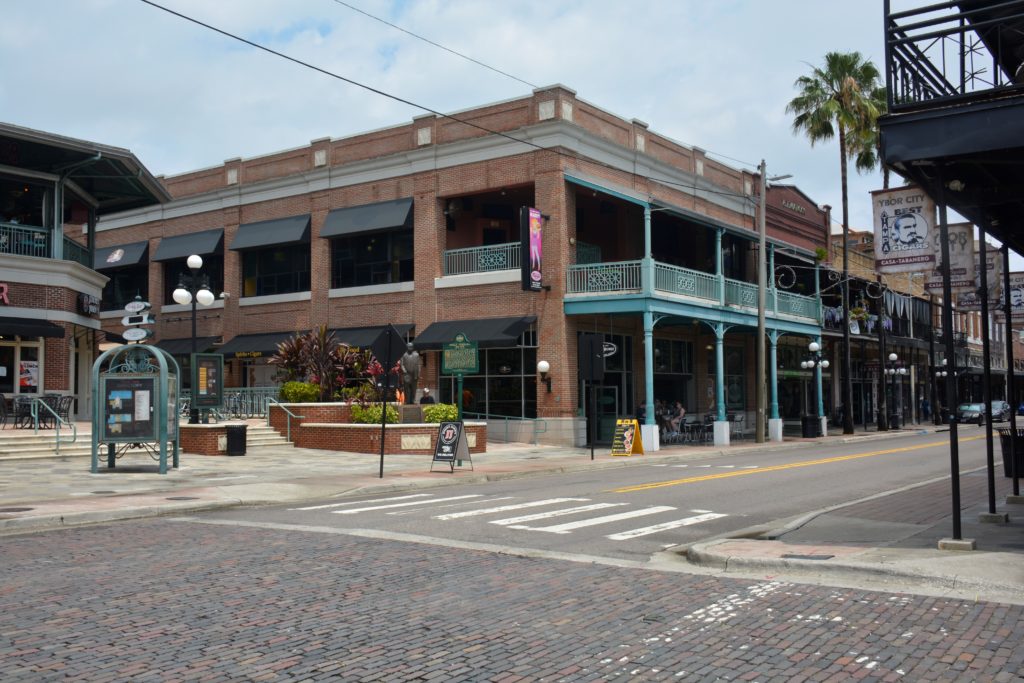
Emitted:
<point x="890" y="539"/>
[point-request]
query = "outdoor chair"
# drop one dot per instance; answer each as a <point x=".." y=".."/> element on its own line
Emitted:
<point x="3" y="412"/>
<point x="64" y="408"/>
<point x="736" y="425"/>
<point x="23" y="412"/>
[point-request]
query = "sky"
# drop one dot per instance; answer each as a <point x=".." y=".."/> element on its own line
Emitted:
<point x="716" y="75"/>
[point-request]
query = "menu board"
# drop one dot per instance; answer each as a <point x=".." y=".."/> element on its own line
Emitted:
<point x="128" y="408"/>
<point x="627" y="439"/>
<point x="207" y="380"/>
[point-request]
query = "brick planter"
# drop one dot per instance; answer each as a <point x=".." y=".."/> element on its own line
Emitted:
<point x="209" y="439"/>
<point x="410" y="439"/>
<point x="331" y="413"/>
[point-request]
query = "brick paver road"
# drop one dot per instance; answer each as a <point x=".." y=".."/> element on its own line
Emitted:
<point x="164" y="600"/>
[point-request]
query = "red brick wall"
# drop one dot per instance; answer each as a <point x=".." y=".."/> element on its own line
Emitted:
<point x="366" y="438"/>
<point x="310" y="412"/>
<point x="201" y="439"/>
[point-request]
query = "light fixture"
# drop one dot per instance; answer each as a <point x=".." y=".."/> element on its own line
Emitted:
<point x="544" y="367"/>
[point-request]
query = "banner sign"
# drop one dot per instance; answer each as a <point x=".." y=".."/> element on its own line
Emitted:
<point x="904" y="222"/>
<point x="1016" y="299"/>
<point x="970" y="301"/>
<point x="531" y="231"/>
<point x="627" y="439"/>
<point x="961" y="260"/>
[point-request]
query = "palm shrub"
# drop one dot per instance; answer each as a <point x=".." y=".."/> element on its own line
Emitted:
<point x="289" y="359"/>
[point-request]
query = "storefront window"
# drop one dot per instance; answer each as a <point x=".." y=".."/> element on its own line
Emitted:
<point x="505" y="387"/>
<point x="735" y="387"/>
<point x="177" y="272"/>
<point x="7" y="373"/>
<point x="375" y="258"/>
<point x="20" y="368"/>
<point x="124" y="285"/>
<point x="275" y="270"/>
<point x="673" y="372"/>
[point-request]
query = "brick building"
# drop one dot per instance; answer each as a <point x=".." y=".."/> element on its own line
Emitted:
<point x="647" y="241"/>
<point x="52" y="188"/>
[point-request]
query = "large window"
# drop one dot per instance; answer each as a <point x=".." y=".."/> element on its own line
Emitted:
<point x="275" y="270"/>
<point x="177" y="272"/>
<point x="375" y="258"/>
<point x="673" y="372"/>
<point x="735" y="393"/>
<point x="20" y="371"/>
<point x="124" y="285"/>
<point x="506" y="385"/>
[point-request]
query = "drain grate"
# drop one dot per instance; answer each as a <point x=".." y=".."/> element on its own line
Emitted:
<point x="15" y="509"/>
<point x="791" y="556"/>
<point x="182" y="498"/>
<point x="102" y="492"/>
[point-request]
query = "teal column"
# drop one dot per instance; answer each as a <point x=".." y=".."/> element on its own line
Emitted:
<point x="773" y="374"/>
<point x="771" y="278"/>
<point x="718" y="265"/>
<point x="817" y="379"/>
<point x="720" y="369"/>
<point x="649" y="367"/>
<point x="817" y="291"/>
<point x="57" y="229"/>
<point x="647" y="262"/>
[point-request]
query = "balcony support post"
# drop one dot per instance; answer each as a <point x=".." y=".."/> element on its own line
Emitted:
<point x="771" y="279"/>
<point x="718" y="266"/>
<point x="647" y="263"/>
<point x="774" y="421"/>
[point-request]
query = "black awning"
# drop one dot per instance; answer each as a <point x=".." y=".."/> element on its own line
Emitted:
<point x="487" y="332"/>
<point x="254" y="345"/>
<point x="120" y="256"/>
<point x="396" y="213"/>
<point x="183" y="347"/>
<point x="182" y="246"/>
<point x="29" y="327"/>
<point x="363" y="337"/>
<point x="278" y="232"/>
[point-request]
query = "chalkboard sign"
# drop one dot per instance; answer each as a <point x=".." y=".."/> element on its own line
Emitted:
<point x="128" y="408"/>
<point x="627" y="439"/>
<point x="207" y="380"/>
<point x="451" y="444"/>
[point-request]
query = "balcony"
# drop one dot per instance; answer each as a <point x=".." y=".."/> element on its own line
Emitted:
<point x="29" y="240"/>
<point x="481" y="259"/>
<point x="626" y="277"/>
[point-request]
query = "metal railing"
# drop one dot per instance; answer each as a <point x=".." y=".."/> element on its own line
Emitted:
<point x="290" y="414"/>
<point x="604" y="277"/>
<point x="57" y="422"/>
<point x="502" y="428"/>
<point x="239" y="402"/>
<point x="741" y="293"/>
<point x="73" y="251"/>
<point x="32" y="240"/>
<point x="482" y="259"/>
<point x="796" y="304"/>
<point x="677" y="280"/>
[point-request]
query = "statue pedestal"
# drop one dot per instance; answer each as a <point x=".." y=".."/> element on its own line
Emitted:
<point x="411" y="414"/>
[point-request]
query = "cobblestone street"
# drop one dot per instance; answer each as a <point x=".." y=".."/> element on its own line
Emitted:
<point x="163" y="600"/>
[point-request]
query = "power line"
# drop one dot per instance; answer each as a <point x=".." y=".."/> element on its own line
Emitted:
<point x="410" y="103"/>
<point x="431" y="42"/>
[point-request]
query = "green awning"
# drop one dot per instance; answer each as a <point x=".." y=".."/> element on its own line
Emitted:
<point x="182" y="246"/>
<point x="183" y="347"/>
<point x="396" y="213"/>
<point x="487" y="332"/>
<point x="120" y="256"/>
<point x="278" y="232"/>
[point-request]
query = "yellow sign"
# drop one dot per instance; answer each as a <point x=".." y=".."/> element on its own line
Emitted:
<point x="627" y="439"/>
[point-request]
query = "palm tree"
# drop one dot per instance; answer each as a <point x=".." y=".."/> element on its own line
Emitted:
<point x="839" y="99"/>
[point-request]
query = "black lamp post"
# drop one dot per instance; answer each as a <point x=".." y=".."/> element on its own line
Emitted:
<point x="817" y="363"/>
<point x="895" y="368"/>
<point x="193" y="289"/>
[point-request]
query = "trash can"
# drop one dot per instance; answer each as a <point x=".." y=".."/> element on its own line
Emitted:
<point x="945" y="416"/>
<point x="236" y="439"/>
<point x="1018" y="447"/>
<point x="810" y="426"/>
<point x="894" y="421"/>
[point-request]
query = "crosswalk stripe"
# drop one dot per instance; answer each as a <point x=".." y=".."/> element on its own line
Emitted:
<point x="644" y="531"/>
<point x="506" y="508"/>
<point x="402" y="505"/>
<point x="555" y="513"/>
<point x="357" y="502"/>
<point x="570" y="526"/>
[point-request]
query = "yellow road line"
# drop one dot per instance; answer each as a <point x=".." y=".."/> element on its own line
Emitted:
<point x="789" y="466"/>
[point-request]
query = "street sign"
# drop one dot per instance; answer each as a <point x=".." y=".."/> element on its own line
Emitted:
<point x="138" y="319"/>
<point x="136" y="334"/>
<point x="388" y="348"/>
<point x="460" y="357"/>
<point x="136" y="306"/>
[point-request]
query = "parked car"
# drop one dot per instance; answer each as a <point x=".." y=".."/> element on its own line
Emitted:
<point x="971" y="412"/>
<point x="1000" y="411"/>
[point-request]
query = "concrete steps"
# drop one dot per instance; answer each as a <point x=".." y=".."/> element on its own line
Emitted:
<point x="24" y="444"/>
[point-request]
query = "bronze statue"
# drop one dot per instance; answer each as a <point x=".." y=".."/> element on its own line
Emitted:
<point x="410" y="365"/>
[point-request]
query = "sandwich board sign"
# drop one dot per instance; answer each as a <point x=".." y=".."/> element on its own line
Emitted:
<point x="627" y="439"/>
<point x="451" y="445"/>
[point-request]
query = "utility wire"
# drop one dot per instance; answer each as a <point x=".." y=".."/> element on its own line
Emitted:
<point x="437" y="45"/>
<point x="410" y="103"/>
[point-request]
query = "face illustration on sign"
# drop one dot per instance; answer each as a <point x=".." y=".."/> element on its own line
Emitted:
<point x="1017" y="297"/>
<point x="909" y="230"/>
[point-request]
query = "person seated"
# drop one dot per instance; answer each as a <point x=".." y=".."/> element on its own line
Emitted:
<point x="426" y="398"/>
<point x="676" y="416"/>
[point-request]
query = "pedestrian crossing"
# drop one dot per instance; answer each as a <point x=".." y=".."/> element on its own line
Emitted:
<point x="562" y="515"/>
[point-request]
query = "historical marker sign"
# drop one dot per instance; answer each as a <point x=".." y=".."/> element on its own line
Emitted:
<point x="460" y="357"/>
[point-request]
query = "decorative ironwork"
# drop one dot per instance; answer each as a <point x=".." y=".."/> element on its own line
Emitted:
<point x="604" y="279"/>
<point x="785" y="277"/>
<point x="686" y="284"/>
<point x="134" y="360"/>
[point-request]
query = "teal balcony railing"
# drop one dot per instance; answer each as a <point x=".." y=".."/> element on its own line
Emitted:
<point x="73" y="251"/>
<point x="482" y="259"/>
<point x="627" y="277"/>
<point x="32" y="240"/>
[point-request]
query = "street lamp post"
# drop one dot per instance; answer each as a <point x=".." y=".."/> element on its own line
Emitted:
<point x="817" y="363"/>
<point x="940" y="373"/>
<point x="895" y="368"/>
<point x="193" y="289"/>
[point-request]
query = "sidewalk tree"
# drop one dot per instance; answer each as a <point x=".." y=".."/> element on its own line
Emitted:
<point x="840" y="100"/>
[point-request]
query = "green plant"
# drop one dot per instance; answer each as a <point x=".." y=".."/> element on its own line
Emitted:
<point x="289" y="359"/>
<point x="370" y="414"/>
<point x="440" y="412"/>
<point x="300" y="392"/>
<point x="820" y="254"/>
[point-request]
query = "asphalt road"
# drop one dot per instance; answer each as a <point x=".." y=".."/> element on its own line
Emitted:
<point x="633" y="513"/>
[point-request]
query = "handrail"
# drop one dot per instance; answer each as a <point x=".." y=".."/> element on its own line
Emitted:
<point x="282" y="406"/>
<point x="536" y="422"/>
<point x="34" y="408"/>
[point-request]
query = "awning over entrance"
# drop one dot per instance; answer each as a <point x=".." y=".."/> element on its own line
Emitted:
<point x="278" y="232"/>
<point x="488" y="332"/>
<point x="29" y="327"/>
<point x="363" y="337"/>
<point x="201" y="243"/>
<point x="368" y="218"/>
<point x="183" y="347"/>
<point x="254" y="345"/>
<point x="120" y="255"/>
